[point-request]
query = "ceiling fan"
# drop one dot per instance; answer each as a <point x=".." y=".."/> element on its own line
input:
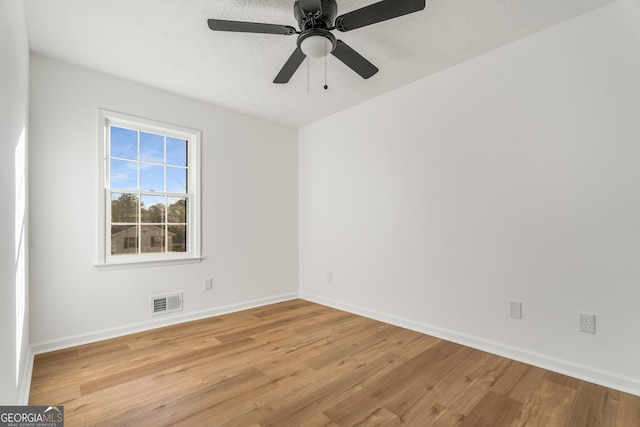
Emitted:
<point x="316" y="19"/>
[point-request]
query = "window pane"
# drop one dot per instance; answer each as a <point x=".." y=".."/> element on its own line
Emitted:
<point x="123" y="174"/>
<point x="151" y="147"/>
<point x="177" y="210"/>
<point x="151" y="177"/>
<point x="124" y="207"/>
<point x="124" y="143"/>
<point x="152" y="239"/>
<point x="124" y="239"/>
<point x="152" y="209"/>
<point x="176" y="152"/>
<point x="177" y="238"/>
<point x="176" y="180"/>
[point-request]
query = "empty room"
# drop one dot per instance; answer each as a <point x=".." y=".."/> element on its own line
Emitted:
<point x="320" y="212"/>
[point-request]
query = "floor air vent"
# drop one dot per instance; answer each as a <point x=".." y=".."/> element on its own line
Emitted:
<point x="163" y="304"/>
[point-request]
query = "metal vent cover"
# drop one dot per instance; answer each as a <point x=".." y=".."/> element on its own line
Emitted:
<point x="168" y="303"/>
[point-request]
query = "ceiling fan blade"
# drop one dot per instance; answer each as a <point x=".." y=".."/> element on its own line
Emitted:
<point x="377" y="12"/>
<point x="250" y="27"/>
<point x="290" y="66"/>
<point x="310" y="7"/>
<point x="354" y="60"/>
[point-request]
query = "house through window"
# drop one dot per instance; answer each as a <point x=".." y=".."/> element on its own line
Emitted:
<point x="150" y="183"/>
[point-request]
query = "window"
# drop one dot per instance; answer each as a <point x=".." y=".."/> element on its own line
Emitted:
<point x="130" y="243"/>
<point x="157" y="242"/>
<point x="150" y="180"/>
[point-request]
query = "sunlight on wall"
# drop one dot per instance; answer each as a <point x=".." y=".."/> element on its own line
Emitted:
<point x="20" y="231"/>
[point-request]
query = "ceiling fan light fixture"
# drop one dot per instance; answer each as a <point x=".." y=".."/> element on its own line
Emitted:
<point x="315" y="46"/>
<point x="316" y="43"/>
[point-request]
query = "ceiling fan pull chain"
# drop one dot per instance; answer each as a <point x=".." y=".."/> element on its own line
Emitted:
<point x="325" y="65"/>
<point x="308" y="76"/>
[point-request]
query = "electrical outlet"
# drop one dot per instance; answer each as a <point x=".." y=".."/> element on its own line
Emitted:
<point x="515" y="309"/>
<point x="208" y="284"/>
<point x="587" y="323"/>
<point x="329" y="277"/>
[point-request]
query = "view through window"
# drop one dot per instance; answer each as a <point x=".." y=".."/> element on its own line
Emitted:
<point x="149" y="199"/>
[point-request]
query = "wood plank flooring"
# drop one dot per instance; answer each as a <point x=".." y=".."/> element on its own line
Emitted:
<point x="297" y="363"/>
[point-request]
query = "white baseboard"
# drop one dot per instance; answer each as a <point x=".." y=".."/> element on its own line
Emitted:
<point x="565" y="367"/>
<point x="72" y="341"/>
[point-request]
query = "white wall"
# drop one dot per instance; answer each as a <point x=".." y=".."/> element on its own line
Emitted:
<point x="514" y="176"/>
<point x="14" y="96"/>
<point x="249" y="210"/>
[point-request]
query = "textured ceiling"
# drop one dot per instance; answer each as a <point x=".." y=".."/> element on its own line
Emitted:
<point x="167" y="44"/>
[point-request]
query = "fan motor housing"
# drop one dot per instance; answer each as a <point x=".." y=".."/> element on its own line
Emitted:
<point x="324" y="20"/>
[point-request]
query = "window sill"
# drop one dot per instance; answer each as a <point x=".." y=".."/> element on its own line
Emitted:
<point x="147" y="263"/>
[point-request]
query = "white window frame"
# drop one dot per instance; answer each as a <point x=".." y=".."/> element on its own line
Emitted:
<point x="107" y="118"/>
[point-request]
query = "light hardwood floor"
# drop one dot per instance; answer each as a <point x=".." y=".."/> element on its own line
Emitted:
<point x="297" y="363"/>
